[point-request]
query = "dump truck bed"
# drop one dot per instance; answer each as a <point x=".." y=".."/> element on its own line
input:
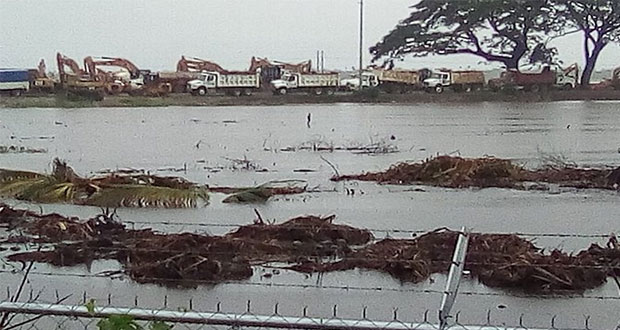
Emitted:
<point x="239" y="79"/>
<point x="467" y="77"/>
<point x="398" y="76"/>
<point x="318" y="80"/>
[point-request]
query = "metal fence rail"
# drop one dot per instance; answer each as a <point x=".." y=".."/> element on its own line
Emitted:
<point x="219" y="318"/>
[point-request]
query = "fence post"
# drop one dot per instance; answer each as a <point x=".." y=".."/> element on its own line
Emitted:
<point x="454" y="278"/>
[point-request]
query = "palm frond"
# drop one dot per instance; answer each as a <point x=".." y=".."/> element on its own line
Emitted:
<point x="49" y="191"/>
<point x="7" y="175"/>
<point x="16" y="187"/>
<point x="146" y="196"/>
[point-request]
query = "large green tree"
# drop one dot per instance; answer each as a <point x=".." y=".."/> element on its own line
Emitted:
<point x="497" y="30"/>
<point x="599" y="21"/>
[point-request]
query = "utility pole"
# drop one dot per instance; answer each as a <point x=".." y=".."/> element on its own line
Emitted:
<point x="361" y="41"/>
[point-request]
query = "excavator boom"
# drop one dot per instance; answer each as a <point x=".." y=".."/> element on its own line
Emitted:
<point x="193" y="64"/>
<point x="303" y="67"/>
<point x="64" y="61"/>
<point x="91" y="64"/>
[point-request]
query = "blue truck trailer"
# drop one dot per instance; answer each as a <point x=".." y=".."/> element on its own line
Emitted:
<point x="14" y="81"/>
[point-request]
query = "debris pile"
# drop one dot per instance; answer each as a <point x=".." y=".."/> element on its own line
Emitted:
<point x="497" y="260"/>
<point x="180" y="259"/>
<point x="308" y="244"/>
<point x="458" y="172"/>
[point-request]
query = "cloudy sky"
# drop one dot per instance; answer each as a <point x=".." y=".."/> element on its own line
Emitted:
<point x="155" y="33"/>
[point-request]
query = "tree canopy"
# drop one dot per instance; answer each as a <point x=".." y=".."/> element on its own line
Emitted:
<point x="497" y="30"/>
<point x="599" y="21"/>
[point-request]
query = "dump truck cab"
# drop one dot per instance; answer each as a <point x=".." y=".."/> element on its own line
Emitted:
<point x="207" y="80"/>
<point x="438" y="79"/>
<point x="369" y="79"/>
<point x="287" y="81"/>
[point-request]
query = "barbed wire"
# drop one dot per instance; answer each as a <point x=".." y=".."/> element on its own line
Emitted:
<point x="339" y="255"/>
<point x="379" y="230"/>
<point x="553" y="294"/>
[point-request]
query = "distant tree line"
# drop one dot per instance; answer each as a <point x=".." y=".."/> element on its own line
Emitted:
<point x="510" y="32"/>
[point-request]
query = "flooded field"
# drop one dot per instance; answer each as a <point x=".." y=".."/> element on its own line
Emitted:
<point x="245" y="146"/>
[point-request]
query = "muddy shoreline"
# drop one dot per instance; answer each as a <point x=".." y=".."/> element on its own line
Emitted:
<point x="266" y="98"/>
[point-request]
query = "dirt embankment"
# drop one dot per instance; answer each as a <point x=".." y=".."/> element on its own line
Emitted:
<point x="457" y="172"/>
<point x="306" y="244"/>
<point x="266" y="98"/>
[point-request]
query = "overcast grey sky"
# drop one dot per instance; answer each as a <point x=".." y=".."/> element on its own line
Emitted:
<point x="155" y="33"/>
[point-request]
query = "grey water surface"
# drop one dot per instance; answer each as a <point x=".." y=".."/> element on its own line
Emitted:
<point x="201" y="144"/>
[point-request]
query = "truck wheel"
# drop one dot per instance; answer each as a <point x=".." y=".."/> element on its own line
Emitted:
<point x="282" y="91"/>
<point x="202" y="91"/>
<point x="438" y="89"/>
<point x="318" y="91"/>
<point x="535" y="88"/>
<point x="468" y="89"/>
<point x="237" y="92"/>
<point x="16" y="92"/>
<point x="330" y="92"/>
<point x="567" y="87"/>
<point x="247" y="92"/>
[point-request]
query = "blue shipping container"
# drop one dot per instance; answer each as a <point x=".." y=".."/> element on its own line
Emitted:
<point x="13" y="75"/>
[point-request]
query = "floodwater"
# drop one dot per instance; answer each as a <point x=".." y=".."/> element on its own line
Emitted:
<point x="201" y="144"/>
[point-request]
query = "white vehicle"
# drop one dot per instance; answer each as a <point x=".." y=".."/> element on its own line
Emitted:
<point x="14" y="81"/>
<point x="312" y="83"/>
<point x="457" y="80"/>
<point x="565" y="78"/>
<point x="235" y="83"/>
<point x="369" y="79"/>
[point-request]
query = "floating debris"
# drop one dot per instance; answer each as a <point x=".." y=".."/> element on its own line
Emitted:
<point x="457" y="172"/>
<point x="263" y="192"/>
<point x="13" y="149"/>
<point x="307" y="244"/>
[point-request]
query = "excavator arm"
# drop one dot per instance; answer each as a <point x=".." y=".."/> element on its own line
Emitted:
<point x="64" y="62"/>
<point x="91" y="64"/>
<point x="192" y="64"/>
<point x="303" y="67"/>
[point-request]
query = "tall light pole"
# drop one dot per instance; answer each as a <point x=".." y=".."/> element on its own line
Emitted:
<point x="361" y="41"/>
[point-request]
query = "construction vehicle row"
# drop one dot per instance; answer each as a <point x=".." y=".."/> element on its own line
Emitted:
<point x="102" y="76"/>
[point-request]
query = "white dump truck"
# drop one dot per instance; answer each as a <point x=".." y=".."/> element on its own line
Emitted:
<point x="369" y="79"/>
<point x="311" y="83"/>
<point x="231" y="83"/>
<point x="459" y="81"/>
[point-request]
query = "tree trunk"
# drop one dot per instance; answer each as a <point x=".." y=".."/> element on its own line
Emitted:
<point x="591" y="63"/>
<point x="517" y="53"/>
<point x="511" y="63"/>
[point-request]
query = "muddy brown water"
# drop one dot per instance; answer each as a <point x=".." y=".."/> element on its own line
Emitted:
<point x="198" y="143"/>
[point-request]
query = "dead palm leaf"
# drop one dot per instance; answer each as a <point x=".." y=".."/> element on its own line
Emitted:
<point x="16" y="187"/>
<point x="146" y="196"/>
<point x="7" y="175"/>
